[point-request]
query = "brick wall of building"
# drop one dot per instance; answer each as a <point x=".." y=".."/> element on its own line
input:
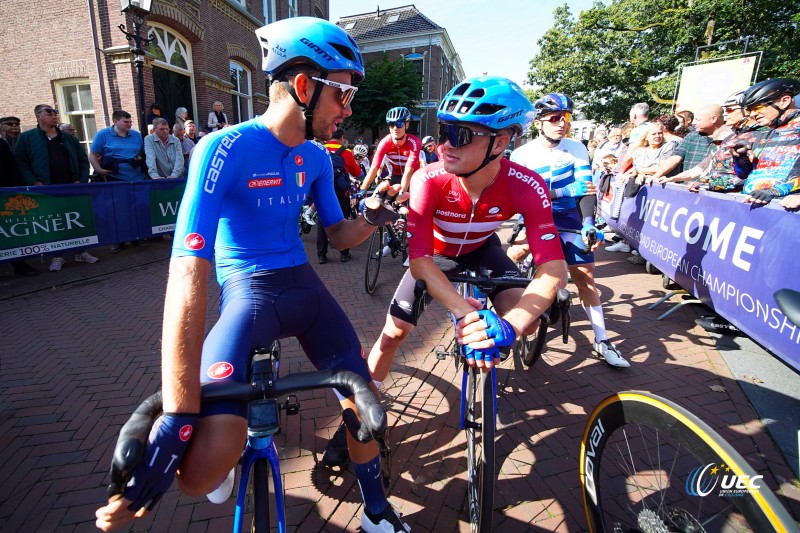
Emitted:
<point x="50" y="41"/>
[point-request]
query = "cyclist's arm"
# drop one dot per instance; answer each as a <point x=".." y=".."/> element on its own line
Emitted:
<point x="185" y="307"/>
<point x="349" y="233"/>
<point x="412" y="164"/>
<point x="375" y="165"/>
<point x="538" y="295"/>
<point x="406" y="180"/>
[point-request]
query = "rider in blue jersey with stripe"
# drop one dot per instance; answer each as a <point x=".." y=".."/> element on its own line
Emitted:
<point x="564" y="164"/>
<point x="246" y="186"/>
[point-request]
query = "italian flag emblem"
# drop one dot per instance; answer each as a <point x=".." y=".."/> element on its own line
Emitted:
<point x="300" y="178"/>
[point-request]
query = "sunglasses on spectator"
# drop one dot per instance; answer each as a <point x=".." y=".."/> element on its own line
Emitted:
<point x="396" y="123"/>
<point x="48" y="111"/>
<point x="458" y="135"/>
<point x="763" y="105"/>
<point x="348" y="92"/>
<point x="557" y="118"/>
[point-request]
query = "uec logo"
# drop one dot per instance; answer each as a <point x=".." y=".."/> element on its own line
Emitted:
<point x="704" y="479"/>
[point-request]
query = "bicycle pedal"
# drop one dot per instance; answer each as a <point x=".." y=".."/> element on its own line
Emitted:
<point x="291" y="405"/>
<point x="442" y="355"/>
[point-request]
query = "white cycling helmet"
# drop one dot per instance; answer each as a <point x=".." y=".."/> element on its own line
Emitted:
<point x="360" y="149"/>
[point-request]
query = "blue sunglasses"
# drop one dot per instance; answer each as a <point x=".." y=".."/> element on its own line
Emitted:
<point x="396" y="123"/>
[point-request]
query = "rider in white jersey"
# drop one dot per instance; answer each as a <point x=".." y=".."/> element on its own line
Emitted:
<point x="564" y="164"/>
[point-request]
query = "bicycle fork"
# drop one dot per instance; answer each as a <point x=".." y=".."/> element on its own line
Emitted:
<point x="259" y="452"/>
<point x="464" y="423"/>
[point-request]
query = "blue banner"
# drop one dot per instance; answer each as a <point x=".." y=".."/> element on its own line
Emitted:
<point x="52" y="219"/>
<point x="730" y="255"/>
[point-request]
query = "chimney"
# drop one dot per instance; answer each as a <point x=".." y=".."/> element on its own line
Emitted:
<point x="378" y="13"/>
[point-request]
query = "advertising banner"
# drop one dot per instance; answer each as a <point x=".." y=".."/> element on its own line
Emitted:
<point x="730" y="255"/>
<point x="45" y="220"/>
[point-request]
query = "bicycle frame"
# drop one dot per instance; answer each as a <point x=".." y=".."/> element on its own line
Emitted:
<point x="260" y="449"/>
<point x="466" y="289"/>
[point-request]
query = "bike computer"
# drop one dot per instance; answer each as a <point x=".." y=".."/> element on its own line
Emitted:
<point x="263" y="418"/>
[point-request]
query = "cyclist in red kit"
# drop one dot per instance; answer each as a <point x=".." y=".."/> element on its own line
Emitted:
<point x="399" y="151"/>
<point x="455" y="207"/>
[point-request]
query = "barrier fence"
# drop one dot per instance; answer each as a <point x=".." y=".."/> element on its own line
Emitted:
<point x="730" y="255"/>
<point x="52" y="219"/>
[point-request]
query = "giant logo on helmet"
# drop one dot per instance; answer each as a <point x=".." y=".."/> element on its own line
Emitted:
<point x="317" y="49"/>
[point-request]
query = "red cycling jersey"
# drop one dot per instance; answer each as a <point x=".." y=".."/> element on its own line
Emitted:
<point x="444" y="220"/>
<point x="398" y="157"/>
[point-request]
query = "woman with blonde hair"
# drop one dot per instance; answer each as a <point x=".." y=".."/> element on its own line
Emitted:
<point x="216" y="118"/>
<point x="647" y="155"/>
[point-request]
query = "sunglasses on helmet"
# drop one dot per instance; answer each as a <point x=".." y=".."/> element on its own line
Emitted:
<point x="557" y="118"/>
<point x="458" y="135"/>
<point x="347" y="92"/>
<point x="396" y="123"/>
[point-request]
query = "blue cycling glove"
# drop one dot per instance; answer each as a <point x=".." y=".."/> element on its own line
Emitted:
<point x="587" y="230"/>
<point x="156" y="470"/>
<point x="574" y="189"/>
<point x="497" y="329"/>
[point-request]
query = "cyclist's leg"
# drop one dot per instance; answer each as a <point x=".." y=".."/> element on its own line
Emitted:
<point x="330" y="341"/>
<point x="246" y="322"/>
<point x="399" y="323"/>
<point x="581" y="270"/>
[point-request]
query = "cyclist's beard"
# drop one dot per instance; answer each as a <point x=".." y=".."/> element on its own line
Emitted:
<point x="400" y="140"/>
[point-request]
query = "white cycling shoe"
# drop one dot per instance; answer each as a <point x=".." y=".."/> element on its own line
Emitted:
<point x="223" y="493"/>
<point x="388" y="521"/>
<point x="610" y="353"/>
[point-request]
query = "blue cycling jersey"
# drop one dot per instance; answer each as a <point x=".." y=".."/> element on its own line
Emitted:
<point x="243" y="197"/>
<point x="560" y="166"/>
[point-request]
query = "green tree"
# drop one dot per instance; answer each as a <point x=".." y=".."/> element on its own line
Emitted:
<point x="387" y="84"/>
<point x="612" y="56"/>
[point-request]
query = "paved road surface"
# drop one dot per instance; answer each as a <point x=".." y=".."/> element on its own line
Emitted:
<point x="80" y="351"/>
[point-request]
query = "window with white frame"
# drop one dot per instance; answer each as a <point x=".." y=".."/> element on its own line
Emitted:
<point x="292" y="8"/>
<point x="75" y="105"/>
<point x="270" y="14"/>
<point x="241" y="94"/>
<point x="169" y="50"/>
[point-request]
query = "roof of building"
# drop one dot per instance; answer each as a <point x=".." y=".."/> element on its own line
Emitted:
<point x="388" y="23"/>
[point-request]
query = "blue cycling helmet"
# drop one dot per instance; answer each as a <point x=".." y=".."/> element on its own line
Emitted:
<point x="396" y="114"/>
<point x="553" y="103"/>
<point x="308" y="41"/>
<point x="491" y="101"/>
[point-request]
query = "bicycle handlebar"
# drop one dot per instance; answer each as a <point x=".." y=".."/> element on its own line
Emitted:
<point x="133" y="435"/>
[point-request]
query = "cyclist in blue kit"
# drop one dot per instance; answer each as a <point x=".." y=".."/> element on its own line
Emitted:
<point x="246" y="186"/>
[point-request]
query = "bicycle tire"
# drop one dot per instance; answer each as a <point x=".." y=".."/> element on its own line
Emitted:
<point x="532" y="346"/>
<point x="626" y="491"/>
<point x="479" y="424"/>
<point x="374" y="256"/>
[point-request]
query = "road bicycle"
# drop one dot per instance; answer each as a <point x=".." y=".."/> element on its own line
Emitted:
<point x="397" y="243"/>
<point x="478" y="410"/>
<point x="649" y="465"/>
<point x="530" y="347"/>
<point x="260" y="455"/>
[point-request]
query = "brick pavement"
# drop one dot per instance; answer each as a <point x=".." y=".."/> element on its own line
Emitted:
<point x="80" y="350"/>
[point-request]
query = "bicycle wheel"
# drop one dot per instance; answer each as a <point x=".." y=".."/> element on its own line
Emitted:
<point x="648" y="465"/>
<point x="530" y="347"/>
<point x="374" y="256"/>
<point x="479" y="424"/>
